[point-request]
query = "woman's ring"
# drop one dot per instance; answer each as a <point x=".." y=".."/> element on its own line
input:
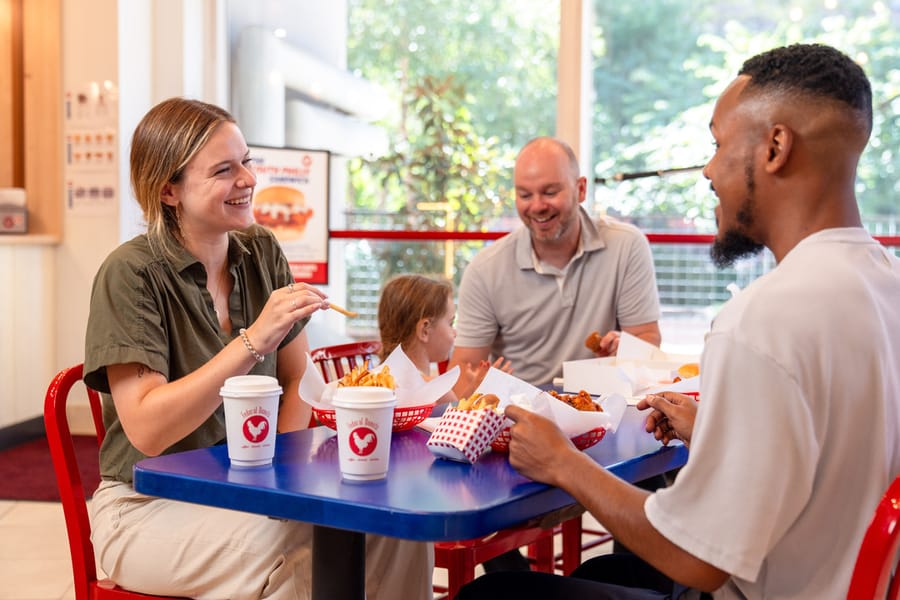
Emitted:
<point x="291" y="287"/>
<point x="293" y="304"/>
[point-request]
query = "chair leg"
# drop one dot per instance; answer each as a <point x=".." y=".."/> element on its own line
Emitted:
<point x="541" y="553"/>
<point x="571" y="545"/>
<point x="460" y="571"/>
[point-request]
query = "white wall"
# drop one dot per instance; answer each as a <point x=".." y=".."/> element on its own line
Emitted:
<point x="27" y="328"/>
<point x="89" y="54"/>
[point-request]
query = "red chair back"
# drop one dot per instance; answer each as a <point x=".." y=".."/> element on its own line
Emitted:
<point x="71" y="490"/>
<point x="876" y="572"/>
<point x="335" y="361"/>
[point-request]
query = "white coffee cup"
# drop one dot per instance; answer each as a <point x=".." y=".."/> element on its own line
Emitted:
<point x="251" y="416"/>
<point x="364" y="417"/>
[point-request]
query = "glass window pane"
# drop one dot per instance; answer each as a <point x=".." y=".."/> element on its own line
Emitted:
<point x="471" y="81"/>
<point x="659" y="66"/>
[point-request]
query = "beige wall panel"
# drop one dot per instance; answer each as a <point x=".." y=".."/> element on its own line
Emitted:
<point x="27" y="328"/>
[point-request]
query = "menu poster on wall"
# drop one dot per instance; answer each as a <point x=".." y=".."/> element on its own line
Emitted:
<point x="291" y="199"/>
<point x="92" y="163"/>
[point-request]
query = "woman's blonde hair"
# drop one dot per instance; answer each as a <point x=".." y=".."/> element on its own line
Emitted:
<point x="165" y="140"/>
<point x="405" y="300"/>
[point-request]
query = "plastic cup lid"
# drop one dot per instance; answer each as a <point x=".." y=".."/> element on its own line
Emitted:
<point x="251" y="384"/>
<point x="367" y="396"/>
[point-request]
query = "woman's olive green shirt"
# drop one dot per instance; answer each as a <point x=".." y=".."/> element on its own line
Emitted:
<point x="155" y="310"/>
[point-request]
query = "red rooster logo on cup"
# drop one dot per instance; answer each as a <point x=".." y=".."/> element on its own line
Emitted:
<point x="255" y="428"/>
<point x="363" y="441"/>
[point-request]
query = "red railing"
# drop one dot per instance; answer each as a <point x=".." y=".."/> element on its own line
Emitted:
<point x="442" y="236"/>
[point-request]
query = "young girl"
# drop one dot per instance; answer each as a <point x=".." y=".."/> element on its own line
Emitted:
<point x="417" y="313"/>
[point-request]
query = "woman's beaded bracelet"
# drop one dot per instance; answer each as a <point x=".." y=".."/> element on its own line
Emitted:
<point x="259" y="357"/>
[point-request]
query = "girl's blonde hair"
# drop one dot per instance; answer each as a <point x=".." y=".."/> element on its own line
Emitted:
<point x="165" y="140"/>
<point x="405" y="300"/>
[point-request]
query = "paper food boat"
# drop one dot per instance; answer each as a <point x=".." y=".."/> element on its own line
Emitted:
<point x="415" y="396"/>
<point x="467" y="435"/>
<point x="637" y="369"/>
<point x="584" y="428"/>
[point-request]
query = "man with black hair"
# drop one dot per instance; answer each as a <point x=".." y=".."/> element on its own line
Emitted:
<point x="798" y="432"/>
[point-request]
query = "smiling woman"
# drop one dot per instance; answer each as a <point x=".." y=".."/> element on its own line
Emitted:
<point x="206" y="294"/>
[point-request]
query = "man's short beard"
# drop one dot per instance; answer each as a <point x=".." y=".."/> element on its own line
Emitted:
<point x="733" y="244"/>
<point x="554" y="236"/>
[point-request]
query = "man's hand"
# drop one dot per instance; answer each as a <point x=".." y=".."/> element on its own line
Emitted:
<point x="608" y="343"/>
<point x="537" y="448"/>
<point x="605" y="345"/>
<point x="672" y="416"/>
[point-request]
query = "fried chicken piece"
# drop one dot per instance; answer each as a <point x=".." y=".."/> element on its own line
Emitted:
<point x="581" y="401"/>
<point x="592" y="342"/>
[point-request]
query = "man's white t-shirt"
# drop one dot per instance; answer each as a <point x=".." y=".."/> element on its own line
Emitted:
<point x="796" y="436"/>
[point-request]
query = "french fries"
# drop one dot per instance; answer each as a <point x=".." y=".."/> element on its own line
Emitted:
<point x="362" y="376"/>
<point x="342" y="310"/>
<point x="477" y="401"/>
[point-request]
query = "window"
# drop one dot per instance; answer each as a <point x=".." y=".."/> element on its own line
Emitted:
<point x="658" y="68"/>
<point x="472" y="81"/>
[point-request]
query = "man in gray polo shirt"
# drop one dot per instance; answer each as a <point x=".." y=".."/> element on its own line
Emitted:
<point x="535" y="295"/>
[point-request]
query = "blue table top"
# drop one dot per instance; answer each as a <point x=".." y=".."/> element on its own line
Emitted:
<point x="423" y="497"/>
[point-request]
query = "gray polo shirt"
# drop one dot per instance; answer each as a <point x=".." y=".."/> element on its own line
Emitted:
<point x="530" y="319"/>
<point x="156" y="312"/>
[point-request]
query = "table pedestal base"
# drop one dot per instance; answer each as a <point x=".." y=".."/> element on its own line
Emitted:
<point x="348" y="548"/>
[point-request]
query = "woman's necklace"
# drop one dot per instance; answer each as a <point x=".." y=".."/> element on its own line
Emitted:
<point x="215" y="296"/>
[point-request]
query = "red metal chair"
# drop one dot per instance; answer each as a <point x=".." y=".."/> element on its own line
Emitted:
<point x="877" y="571"/>
<point x="71" y="490"/>
<point x="335" y="361"/>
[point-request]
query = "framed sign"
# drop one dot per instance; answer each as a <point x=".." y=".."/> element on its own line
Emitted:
<point x="291" y="199"/>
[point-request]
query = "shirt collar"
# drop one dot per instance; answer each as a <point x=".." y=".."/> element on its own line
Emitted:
<point x="182" y="259"/>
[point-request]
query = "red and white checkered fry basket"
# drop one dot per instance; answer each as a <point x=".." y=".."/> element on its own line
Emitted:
<point x="464" y="435"/>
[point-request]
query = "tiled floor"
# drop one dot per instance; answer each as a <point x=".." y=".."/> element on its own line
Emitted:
<point x="34" y="552"/>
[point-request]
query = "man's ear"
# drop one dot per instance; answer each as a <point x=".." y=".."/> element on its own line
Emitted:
<point x="168" y="196"/>
<point x="581" y="188"/>
<point x="780" y="143"/>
